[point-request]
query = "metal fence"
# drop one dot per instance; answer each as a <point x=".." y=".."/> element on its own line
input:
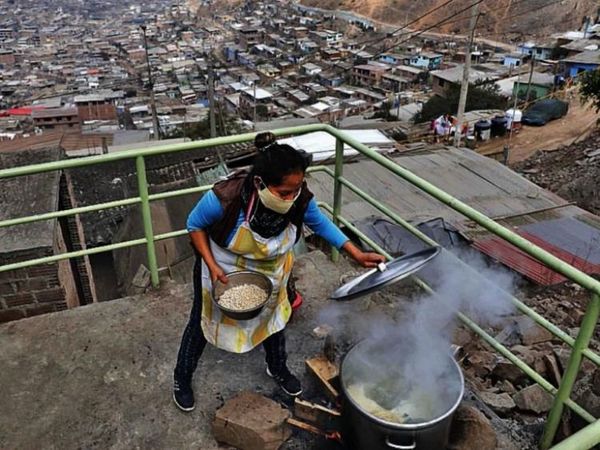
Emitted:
<point x="584" y="439"/>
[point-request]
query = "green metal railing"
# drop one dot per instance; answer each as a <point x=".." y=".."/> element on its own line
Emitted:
<point x="584" y="439"/>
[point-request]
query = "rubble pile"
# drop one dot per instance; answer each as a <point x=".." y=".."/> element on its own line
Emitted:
<point x="572" y="172"/>
<point x="504" y="388"/>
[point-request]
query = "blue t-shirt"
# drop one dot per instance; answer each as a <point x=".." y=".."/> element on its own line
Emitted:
<point x="209" y="210"/>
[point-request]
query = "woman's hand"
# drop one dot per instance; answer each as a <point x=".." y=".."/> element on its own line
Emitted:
<point x="369" y="259"/>
<point x="365" y="259"/>
<point x="216" y="272"/>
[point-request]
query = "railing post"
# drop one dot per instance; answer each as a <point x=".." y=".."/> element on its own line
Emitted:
<point x="140" y="165"/>
<point x="337" y="190"/>
<point x="588" y="325"/>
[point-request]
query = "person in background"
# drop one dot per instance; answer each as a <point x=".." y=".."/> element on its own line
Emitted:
<point x="252" y="221"/>
<point x="441" y="127"/>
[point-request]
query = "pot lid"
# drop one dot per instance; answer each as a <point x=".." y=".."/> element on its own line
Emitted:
<point x="385" y="274"/>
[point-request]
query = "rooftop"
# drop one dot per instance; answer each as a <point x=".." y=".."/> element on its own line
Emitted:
<point x="587" y="57"/>
<point x="37" y="194"/>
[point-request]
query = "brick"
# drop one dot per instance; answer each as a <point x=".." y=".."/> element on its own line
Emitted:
<point x="50" y="295"/>
<point x="22" y="298"/>
<point x="32" y="284"/>
<point x="7" y="288"/>
<point x="11" y="314"/>
<point x="17" y="274"/>
<point x="39" y="309"/>
<point x="43" y="270"/>
<point x="250" y="421"/>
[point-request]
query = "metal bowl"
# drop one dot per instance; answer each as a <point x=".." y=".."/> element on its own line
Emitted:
<point x="237" y="279"/>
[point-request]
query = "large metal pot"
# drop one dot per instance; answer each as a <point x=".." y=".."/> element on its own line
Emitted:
<point x="365" y="431"/>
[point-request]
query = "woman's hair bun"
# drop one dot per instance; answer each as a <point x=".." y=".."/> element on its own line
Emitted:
<point x="263" y="140"/>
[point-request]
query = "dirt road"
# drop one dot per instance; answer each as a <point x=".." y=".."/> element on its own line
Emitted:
<point x="578" y="122"/>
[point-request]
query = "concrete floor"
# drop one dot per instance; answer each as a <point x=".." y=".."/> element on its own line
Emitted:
<point x="100" y="376"/>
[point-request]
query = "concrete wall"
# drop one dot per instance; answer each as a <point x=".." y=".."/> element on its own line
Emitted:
<point x="168" y="215"/>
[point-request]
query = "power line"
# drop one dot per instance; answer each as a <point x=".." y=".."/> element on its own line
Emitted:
<point x="513" y="15"/>
<point x="429" y="28"/>
<point x="422" y="16"/>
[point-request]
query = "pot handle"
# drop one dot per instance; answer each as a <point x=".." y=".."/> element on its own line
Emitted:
<point x="400" y="447"/>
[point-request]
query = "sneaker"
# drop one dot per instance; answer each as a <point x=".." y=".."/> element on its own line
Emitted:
<point x="286" y="381"/>
<point x="183" y="396"/>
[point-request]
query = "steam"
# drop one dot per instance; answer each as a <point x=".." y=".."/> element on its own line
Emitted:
<point x="417" y="342"/>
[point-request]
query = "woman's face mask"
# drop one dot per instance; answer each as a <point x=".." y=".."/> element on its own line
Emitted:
<point x="273" y="201"/>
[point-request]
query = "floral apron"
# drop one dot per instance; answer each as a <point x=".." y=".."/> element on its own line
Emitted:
<point x="273" y="257"/>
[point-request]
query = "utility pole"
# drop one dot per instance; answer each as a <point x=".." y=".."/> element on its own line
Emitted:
<point x="254" y="114"/>
<point x="151" y="86"/>
<point x="530" y="77"/>
<point x="211" y="97"/>
<point x="464" y="87"/>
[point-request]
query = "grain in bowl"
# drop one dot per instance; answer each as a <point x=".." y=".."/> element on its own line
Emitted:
<point x="243" y="297"/>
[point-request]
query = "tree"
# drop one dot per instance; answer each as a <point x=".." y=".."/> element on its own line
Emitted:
<point x="589" y="89"/>
<point x="481" y="96"/>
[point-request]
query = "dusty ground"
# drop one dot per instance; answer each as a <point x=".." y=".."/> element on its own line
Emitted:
<point x="562" y="132"/>
<point x="100" y="376"/>
<point x="571" y="172"/>
<point x="501" y="18"/>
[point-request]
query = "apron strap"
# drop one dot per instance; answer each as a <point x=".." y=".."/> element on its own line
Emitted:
<point x="250" y="206"/>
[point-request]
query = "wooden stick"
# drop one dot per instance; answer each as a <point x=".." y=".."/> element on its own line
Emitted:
<point x="314" y="413"/>
<point x="325" y="371"/>
<point x="306" y="427"/>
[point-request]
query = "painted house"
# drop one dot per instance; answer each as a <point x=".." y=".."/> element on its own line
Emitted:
<point x="392" y="58"/>
<point x="515" y="59"/>
<point x="425" y="60"/>
<point x="583" y="62"/>
<point x="541" y="50"/>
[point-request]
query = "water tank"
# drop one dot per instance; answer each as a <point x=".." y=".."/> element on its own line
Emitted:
<point x="498" y="126"/>
<point x="483" y="129"/>
<point x="513" y="118"/>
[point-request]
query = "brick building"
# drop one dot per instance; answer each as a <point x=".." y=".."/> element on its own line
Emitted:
<point x="66" y="118"/>
<point x="44" y="288"/>
<point x="7" y="57"/>
<point x="95" y="107"/>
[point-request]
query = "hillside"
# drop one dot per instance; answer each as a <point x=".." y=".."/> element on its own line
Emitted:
<point x="504" y="18"/>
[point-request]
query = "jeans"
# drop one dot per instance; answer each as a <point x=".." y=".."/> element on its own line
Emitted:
<point x="193" y="340"/>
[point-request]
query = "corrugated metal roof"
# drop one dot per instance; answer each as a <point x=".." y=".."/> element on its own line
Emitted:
<point x="519" y="261"/>
<point x="481" y="182"/>
<point x="542" y="217"/>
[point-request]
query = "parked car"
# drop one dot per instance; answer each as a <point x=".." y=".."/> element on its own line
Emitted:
<point x="544" y="111"/>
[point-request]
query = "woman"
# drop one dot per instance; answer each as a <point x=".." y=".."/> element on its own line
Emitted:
<point x="252" y="221"/>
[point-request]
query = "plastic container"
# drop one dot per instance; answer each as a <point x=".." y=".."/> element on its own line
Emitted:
<point x="513" y="118"/>
<point x="498" y="126"/>
<point x="483" y="130"/>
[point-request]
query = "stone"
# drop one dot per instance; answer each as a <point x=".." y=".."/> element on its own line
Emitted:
<point x="531" y="333"/>
<point x="462" y="336"/>
<point x="507" y="386"/>
<point x="505" y="370"/>
<point x="533" y="399"/>
<point x="500" y="403"/>
<point x="596" y="382"/>
<point x="481" y="362"/>
<point x="322" y="331"/>
<point x="471" y="430"/>
<point x="250" y="421"/>
<point x="141" y="280"/>
<point x="509" y="335"/>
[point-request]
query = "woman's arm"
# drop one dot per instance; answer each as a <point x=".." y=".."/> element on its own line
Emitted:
<point x="200" y="241"/>
<point x="324" y="227"/>
<point x="206" y="212"/>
